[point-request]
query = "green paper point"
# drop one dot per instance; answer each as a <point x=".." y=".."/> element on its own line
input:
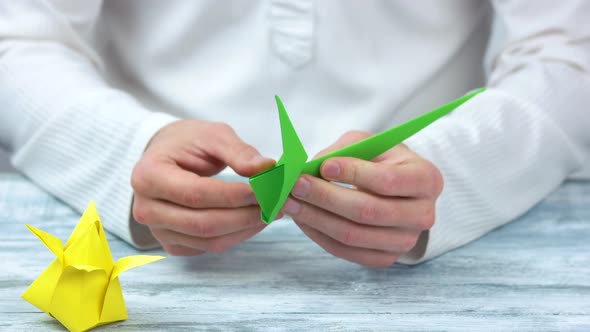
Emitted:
<point x="272" y="187"/>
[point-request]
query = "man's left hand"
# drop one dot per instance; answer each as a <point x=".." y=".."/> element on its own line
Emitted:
<point x="378" y="219"/>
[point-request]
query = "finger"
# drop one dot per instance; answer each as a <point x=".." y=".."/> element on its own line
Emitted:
<point x="413" y="179"/>
<point x="356" y="235"/>
<point x="175" y="250"/>
<point x="206" y="223"/>
<point x="195" y="161"/>
<point x="216" y="244"/>
<point x="365" y="208"/>
<point x="344" y="140"/>
<point x="225" y="145"/>
<point x="366" y="257"/>
<point x="396" y="155"/>
<point x="171" y="183"/>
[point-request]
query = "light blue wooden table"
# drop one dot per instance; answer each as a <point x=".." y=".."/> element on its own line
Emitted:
<point x="532" y="275"/>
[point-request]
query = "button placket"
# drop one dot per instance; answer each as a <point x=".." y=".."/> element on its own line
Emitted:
<point x="292" y="30"/>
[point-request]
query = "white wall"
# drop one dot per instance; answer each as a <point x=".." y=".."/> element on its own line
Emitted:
<point x="4" y="163"/>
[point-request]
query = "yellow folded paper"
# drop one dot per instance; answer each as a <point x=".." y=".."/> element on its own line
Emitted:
<point x="80" y="288"/>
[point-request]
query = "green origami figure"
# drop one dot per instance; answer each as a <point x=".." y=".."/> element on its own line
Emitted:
<point x="272" y="187"/>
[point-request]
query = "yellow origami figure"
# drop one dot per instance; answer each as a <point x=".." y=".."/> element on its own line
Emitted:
<point x="80" y="287"/>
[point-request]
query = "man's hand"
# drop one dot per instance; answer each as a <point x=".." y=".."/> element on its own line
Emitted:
<point x="377" y="220"/>
<point x="187" y="211"/>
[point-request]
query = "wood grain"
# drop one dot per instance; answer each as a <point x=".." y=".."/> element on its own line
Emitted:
<point x="533" y="274"/>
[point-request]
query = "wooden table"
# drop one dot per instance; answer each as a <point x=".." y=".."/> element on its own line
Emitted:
<point x="533" y="274"/>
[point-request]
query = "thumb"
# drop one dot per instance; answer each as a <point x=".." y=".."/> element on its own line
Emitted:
<point x="247" y="161"/>
<point x="243" y="158"/>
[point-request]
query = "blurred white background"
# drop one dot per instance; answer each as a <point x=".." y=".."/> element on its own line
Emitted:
<point x="4" y="163"/>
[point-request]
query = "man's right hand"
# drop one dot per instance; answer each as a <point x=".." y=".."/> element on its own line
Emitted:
<point x="188" y="212"/>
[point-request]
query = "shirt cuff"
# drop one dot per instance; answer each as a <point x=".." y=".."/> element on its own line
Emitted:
<point x="124" y="226"/>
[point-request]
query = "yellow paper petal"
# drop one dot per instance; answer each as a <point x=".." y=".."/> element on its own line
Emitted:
<point x="125" y="263"/>
<point x="51" y="242"/>
<point x="89" y="216"/>
<point x="41" y="290"/>
<point x="114" y="306"/>
<point x="98" y="253"/>
<point x="105" y="259"/>
<point x="78" y="298"/>
<point x="90" y="248"/>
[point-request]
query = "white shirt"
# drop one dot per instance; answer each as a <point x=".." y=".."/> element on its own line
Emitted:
<point x="85" y="84"/>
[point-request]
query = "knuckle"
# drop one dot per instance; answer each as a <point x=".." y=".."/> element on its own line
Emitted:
<point x="136" y="179"/>
<point x="238" y="194"/>
<point x="221" y="128"/>
<point x="369" y="213"/>
<point x="427" y="219"/>
<point x="354" y="173"/>
<point x="350" y="236"/>
<point x="306" y="213"/>
<point x="323" y="196"/>
<point x="389" y="181"/>
<point x="203" y="228"/>
<point x="321" y="153"/>
<point x="192" y="197"/>
<point x="220" y="132"/>
<point x="140" y="179"/>
<point x="229" y="197"/>
<point x="351" y="171"/>
<point x="246" y="150"/>
<point x="436" y="180"/>
<point x="354" y="135"/>
<point x="141" y="211"/>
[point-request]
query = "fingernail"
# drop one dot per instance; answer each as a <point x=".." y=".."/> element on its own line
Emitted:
<point x="291" y="207"/>
<point x="331" y="170"/>
<point x="251" y="199"/>
<point x="301" y="188"/>
<point x="258" y="159"/>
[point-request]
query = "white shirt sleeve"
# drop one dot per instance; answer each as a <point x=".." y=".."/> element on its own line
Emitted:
<point x="65" y="128"/>
<point x="509" y="147"/>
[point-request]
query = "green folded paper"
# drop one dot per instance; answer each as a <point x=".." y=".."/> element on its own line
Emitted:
<point x="272" y="187"/>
